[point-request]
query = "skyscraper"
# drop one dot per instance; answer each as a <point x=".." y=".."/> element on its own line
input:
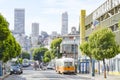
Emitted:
<point x="19" y="21"/>
<point x="64" y="29"/>
<point x="35" y="34"/>
<point x="35" y="29"/>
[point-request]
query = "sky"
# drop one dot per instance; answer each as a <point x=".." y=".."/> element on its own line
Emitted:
<point x="48" y="12"/>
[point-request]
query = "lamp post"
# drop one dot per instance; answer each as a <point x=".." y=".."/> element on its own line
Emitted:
<point x="75" y="55"/>
<point x="74" y="47"/>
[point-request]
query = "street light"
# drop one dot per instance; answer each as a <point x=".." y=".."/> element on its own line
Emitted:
<point x="74" y="47"/>
<point x="75" y="55"/>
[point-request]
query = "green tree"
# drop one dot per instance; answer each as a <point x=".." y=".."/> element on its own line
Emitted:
<point x="56" y="43"/>
<point x="48" y="56"/>
<point x="9" y="48"/>
<point x="4" y="30"/>
<point x="55" y="46"/>
<point x="19" y="60"/>
<point x="39" y="53"/>
<point x="103" y="45"/>
<point x="46" y="59"/>
<point x="25" y="55"/>
<point x="85" y="48"/>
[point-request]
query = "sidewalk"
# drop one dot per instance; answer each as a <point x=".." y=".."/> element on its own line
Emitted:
<point x="100" y="77"/>
<point x="4" y="76"/>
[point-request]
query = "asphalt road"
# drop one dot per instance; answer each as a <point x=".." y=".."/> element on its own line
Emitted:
<point x="30" y="74"/>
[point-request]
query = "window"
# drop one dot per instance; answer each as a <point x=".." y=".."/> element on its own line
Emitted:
<point x="68" y="64"/>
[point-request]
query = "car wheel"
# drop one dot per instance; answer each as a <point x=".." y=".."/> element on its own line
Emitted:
<point x="21" y="72"/>
<point x="10" y="73"/>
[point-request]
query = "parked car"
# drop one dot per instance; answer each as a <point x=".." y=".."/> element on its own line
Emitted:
<point x="50" y="67"/>
<point x="25" y="63"/>
<point x="16" y="69"/>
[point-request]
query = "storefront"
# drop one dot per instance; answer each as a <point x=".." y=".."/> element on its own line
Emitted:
<point x="114" y="66"/>
<point x="83" y="66"/>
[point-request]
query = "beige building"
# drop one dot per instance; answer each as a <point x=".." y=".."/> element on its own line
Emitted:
<point x="106" y="15"/>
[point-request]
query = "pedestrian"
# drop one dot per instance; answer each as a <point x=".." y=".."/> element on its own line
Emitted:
<point x="41" y="65"/>
<point x="35" y="65"/>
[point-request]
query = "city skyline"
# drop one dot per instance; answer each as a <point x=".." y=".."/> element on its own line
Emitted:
<point x="47" y="12"/>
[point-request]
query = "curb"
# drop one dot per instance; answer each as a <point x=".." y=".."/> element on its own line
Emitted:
<point x="3" y="77"/>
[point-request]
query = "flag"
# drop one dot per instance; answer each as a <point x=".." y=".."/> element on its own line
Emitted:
<point x="95" y="24"/>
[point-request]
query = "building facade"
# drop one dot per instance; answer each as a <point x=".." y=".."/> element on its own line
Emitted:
<point x="19" y="21"/>
<point x="70" y="44"/>
<point x="107" y="15"/>
<point x="64" y="29"/>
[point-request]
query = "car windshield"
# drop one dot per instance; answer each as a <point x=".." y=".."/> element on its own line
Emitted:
<point x="15" y="65"/>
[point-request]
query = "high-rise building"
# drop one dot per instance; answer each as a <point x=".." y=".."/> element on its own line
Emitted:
<point x="64" y="23"/>
<point x="35" y="29"/>
<point x="35" y="35"/>
<point x="19" y="21"/>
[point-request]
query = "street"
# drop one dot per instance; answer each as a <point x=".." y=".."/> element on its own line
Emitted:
<point x="29" y="74"/>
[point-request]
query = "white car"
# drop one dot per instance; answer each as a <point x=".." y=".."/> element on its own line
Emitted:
<point x="50" y="67"/>
<point x="25" y="63"/>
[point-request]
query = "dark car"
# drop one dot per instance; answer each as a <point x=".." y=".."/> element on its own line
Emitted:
<point x="16" y="69"/>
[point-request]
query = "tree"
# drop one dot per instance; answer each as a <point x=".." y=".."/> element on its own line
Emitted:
<point x="39" y="53"/>
<point x="9" y="48"/>
<point x="48" y="56"/>
<point x="55" y="46"/>
<point x="103" y="45"/>
<point x="46" y="59"/>
<point x="85" y="48"/>
<point x="55" y="43"/>
<point x="4" y="31"/>
<point x="25" y="55"/>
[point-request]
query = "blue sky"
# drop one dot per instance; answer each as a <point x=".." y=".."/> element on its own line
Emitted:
<point x="47" y="12"/>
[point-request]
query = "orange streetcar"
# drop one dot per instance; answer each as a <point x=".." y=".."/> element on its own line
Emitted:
<point x="65" y="65"/>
